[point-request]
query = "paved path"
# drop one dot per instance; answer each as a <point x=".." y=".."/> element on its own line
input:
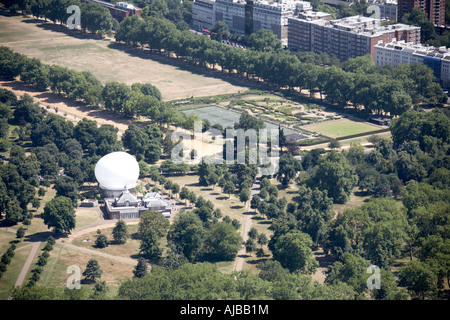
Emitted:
<point x="26" y="266"/>
<point x="246" y="227"/>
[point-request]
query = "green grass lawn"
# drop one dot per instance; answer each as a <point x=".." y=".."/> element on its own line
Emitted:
<point x="85" y="216"/>
<point x="9" y="278"/>
<point x="130" y="249"/>
<point x="341" y="128"/>
<point x="55" y="271"/>
<point x="6" y="238"/>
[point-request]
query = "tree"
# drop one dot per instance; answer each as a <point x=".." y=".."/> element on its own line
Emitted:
<point x="222" y="30"/>
<point x="247" y="122"/>
<point x="59" y="214"/>
<point x="250" y="246"/>
<point x="222" y="242"/>
<point x="141" y="268"/>
<point x="264" y="40"/>
<point x="377" y="228"/>
<point x="293" y="251"/>
<point x="262" y="239"/>
<point x="120" y="232"/>
<point x="388" y="288"/>
<point x="175" y="188"/>
<point x="254" y="203"/>
<point x="66" y="186"/>
<point x="149" y="246"/>
<point x="288" y="168"/>
<point x="100" y="290"/>
<point x="13" y="212"/>
<point x="20" y="233"/>
<point x="244" y="195"/>
<point x="115" y="95"/>
<point x="350" y="269"/>
<point x="253" y="233"/>
<point x="153" y="221"/>
<point x="152" y="227"/>
<point x="10" y="63"/>
<point x="92" y="271"/>
<point x="334" y="144"/>
<point x="420" y="126"/>
<point x="313" y="212"/>
<point x="184" y="193"/>
<point x="419" y="18"/>
<point x="97" y="19"/>
<point x="229" y="188"/>
<point x="419" y="279"/>
<point x="101" y="241"/>
<point x="188" y="234"/>
<point x="334" y="174"/>
<point x="35" y="73"/>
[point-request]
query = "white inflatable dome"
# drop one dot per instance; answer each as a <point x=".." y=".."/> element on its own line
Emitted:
<point x="116" y="171"/>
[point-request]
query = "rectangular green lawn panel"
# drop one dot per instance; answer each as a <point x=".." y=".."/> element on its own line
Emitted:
<point x="341" y="128"/>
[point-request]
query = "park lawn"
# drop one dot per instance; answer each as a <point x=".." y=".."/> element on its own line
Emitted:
<point x="6" y="238"/>
<point x="55" y="272"/>
<point x="130" y="249"/>
<point x="51" y="44"/>
<point x="341" y="128"/>
<point x="9" y="277"/>
<point x="85" y="216"/>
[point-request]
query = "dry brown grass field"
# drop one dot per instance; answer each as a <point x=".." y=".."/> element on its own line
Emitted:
<point x="52" y="45"/>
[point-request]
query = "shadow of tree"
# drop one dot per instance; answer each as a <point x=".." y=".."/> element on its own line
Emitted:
<point x="43" y="236"/>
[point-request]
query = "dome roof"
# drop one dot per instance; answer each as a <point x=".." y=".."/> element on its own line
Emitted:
<point x="117" y="171"/>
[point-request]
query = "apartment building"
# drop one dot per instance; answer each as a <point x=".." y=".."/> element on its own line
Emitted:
<point x="401" y="52"/>
<point x="232" y="12"/>
<point x="203" y="16"/>
<point x="270" y="15"/>
<point x="247" y="16"/>
<point x="388" y="9"/>
<point x="435" y="9"/>
<point x="345" y="38"/>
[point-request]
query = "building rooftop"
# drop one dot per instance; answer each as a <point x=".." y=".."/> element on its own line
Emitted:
<point x="417" y="49"/>
<point x="314" y="14"/>
<point x="355" y="24"/>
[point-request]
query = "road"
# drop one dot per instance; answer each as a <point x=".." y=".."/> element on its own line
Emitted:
<point x="247" y="225"/>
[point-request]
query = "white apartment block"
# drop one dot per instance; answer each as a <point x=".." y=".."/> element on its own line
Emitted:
<point x="242" y="16"/>
<point x="400" y="52"/>
<point x="270" y="15"/>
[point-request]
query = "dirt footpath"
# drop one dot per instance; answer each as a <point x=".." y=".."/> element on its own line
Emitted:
<point x="72" y="111"/>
